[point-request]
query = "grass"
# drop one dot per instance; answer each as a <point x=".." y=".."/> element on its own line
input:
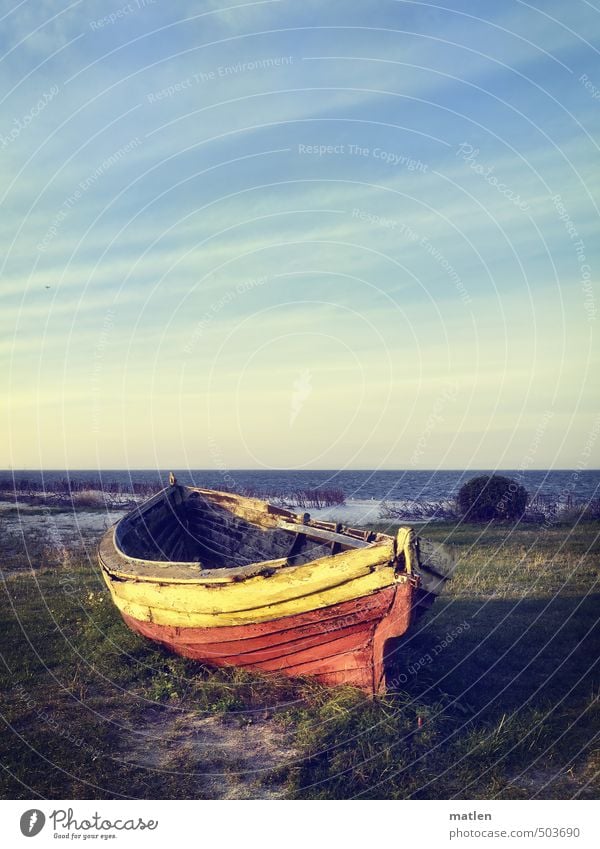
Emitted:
<point x="494" y="695"/>
<point x="12" y="504"/>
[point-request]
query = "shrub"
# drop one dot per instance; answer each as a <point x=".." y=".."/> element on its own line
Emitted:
<point x="491" y="497"/>
<point x="88" y="498"/>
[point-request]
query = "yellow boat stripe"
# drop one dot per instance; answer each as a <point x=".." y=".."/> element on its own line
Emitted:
<point x="197" y="607"/>
<point x="285" y="585"/>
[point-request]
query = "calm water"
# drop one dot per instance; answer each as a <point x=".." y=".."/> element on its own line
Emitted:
<point x="391" y="485"/>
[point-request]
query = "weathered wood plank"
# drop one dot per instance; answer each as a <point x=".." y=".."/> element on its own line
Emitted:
<point x="436" y="557"/>
<point x="319" y="534"/>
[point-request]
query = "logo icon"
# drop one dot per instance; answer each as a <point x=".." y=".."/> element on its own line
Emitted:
<point x="32" y="822"/>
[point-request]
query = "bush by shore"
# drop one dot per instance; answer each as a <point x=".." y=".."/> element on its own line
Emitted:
<point x="541" y="510"/>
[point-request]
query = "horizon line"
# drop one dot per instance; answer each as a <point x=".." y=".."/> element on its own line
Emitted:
<point x="304" y="471"/>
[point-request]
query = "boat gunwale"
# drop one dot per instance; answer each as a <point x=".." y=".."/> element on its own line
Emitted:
<point x="228" y="574"/>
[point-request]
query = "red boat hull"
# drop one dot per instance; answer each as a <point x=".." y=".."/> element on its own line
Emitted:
<point x="340" y="644"/>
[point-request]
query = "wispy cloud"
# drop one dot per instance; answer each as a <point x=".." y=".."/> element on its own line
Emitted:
<point x="253" y="193"/>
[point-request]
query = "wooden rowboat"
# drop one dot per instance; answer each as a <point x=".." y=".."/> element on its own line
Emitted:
<point x="234" y="581"/>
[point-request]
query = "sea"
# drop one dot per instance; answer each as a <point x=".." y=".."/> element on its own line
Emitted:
<point x="402" y="485"/>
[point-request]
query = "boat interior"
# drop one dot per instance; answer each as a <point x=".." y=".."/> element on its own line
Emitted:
<point x="185" y="525"/>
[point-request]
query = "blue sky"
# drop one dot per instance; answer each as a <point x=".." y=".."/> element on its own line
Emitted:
<point x="299" y="235"/>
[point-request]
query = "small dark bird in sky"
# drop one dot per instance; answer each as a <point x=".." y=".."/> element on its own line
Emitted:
<point x="47" y="287"/>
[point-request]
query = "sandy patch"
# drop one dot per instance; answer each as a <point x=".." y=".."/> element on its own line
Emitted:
<point x="226" y="758"/>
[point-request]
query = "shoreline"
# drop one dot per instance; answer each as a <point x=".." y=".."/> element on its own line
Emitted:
<point x="93" y="511"/>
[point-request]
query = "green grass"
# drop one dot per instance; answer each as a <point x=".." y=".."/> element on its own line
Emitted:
<point x="495" y="693"/>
